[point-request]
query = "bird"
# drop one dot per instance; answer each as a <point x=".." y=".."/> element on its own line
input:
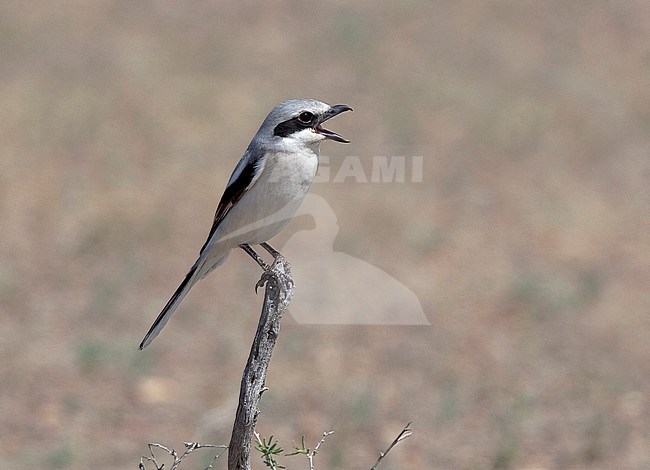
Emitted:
<point x="264" y="191"/>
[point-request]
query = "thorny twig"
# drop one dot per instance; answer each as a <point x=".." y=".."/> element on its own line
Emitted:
<point x="314" y="451"/>
<point x="189" y="447"/>
<point x="406" y="432"/>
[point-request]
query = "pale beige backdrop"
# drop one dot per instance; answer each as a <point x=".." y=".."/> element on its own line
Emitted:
<point x="526" y="244"/>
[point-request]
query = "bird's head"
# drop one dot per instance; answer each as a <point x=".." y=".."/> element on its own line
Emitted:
<point x="299" y="122"/>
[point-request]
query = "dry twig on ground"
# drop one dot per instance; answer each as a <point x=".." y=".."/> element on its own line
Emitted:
<point x="189" y="448"/>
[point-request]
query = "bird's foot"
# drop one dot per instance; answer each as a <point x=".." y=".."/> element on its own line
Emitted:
<point x="266" y="275"/>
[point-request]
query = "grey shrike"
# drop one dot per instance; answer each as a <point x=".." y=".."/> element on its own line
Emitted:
<point x="264" y="191"/>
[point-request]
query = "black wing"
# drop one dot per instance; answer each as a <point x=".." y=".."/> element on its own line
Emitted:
<point x="243" y="177"/>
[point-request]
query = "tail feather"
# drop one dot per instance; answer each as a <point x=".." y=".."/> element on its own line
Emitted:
<point x="172" y="305"/>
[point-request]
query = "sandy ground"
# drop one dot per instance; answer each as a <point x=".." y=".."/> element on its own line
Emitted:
<point x="498" y="298"/>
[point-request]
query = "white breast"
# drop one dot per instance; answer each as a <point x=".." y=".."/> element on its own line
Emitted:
<point x="268" y="206"/>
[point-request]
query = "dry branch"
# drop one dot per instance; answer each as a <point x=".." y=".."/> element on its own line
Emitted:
<point x="277" y="295"/>
<point x="406" y="432"/>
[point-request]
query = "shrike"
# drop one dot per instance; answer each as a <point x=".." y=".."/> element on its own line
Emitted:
<point x="264" y="191"/>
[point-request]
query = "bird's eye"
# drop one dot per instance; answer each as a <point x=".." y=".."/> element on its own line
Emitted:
<point x="306" y="117"/>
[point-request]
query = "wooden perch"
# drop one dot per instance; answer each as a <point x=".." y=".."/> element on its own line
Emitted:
<point x="277" y="295"/>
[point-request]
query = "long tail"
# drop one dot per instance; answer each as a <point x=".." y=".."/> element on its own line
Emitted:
<point x="172" y="305"/>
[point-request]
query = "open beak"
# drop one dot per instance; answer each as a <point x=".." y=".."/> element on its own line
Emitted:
<point x="333" y="111"/>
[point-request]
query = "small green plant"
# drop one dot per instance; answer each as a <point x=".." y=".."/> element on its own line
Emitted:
<point x="299" y="450"/>
<point x="269" y="450"/>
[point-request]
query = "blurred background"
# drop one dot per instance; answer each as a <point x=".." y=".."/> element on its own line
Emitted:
<point x="526" y="242"/>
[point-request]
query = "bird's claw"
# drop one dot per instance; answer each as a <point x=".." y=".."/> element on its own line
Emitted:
<point x="263" y="280"/>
